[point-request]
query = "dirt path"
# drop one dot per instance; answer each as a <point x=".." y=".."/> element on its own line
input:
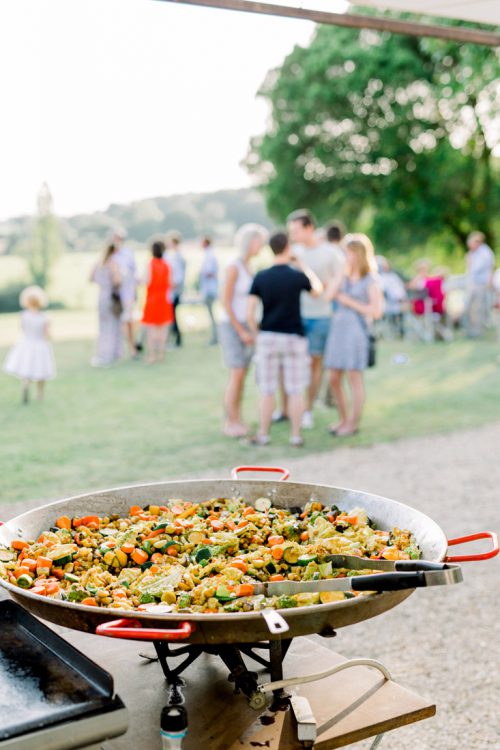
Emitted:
<point x="445" y="644"/>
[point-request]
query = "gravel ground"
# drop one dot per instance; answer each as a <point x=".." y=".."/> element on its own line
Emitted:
<point x="443" y="643"/>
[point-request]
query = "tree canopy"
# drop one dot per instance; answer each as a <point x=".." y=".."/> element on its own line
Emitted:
<point x="387" y="130"/>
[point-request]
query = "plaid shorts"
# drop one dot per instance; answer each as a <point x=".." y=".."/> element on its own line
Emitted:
<point x="286" y="352"/>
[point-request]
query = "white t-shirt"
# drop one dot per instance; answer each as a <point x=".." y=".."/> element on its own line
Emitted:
<point x="326" y="260"/>
<point x="241" y="291"/>
<point x="480" y="265"/>
<point x="209" y="282"/>
<point x="128" y="271"/>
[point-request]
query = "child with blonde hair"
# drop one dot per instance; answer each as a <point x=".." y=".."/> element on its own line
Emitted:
<point x="31" y="359"/>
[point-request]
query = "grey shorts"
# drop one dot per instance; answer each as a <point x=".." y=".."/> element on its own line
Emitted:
<point x="237" y="355"/>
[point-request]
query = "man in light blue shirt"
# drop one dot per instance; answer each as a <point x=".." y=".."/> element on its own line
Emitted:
<point x="209" y="283"/>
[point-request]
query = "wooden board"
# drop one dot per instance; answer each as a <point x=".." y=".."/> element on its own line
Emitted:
<point x="348" y="707"/>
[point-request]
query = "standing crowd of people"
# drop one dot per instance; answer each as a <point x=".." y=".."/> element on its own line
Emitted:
<point x="313" y="310"/>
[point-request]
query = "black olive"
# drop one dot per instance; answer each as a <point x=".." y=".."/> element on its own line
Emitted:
<point x="340" y="527"/>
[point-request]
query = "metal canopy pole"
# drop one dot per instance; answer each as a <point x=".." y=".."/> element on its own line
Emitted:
<point x="380" y="23"/>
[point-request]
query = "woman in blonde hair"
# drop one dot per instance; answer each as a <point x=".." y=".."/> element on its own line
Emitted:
<point x="359" y="301"/>
<point x="32" y="359"/>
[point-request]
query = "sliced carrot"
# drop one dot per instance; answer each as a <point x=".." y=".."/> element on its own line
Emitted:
<point x="89" y="601"/>
<point x="272" y="540"/>
<point x="21" y="572"/>
<point x="156" y="533"/>
<point x="304" y="514"/>
<point x="348" y="519"/>
<point x="244" y="589"/>
<point x="52" y="588"/>
<point x="43" y="562"/>
<point x="304" y="536"/>
<point x="29" y="563"/>
<point x="128" y="547"/>
<point x="19" y="544"/>
<point x="92" y="522"/>
<point x="59" y="573"/>
<point x="217" y="525"/>
<point x="40" y="590"/>
<point x="154" y="569"/>
<point x="230" y="524"/>
<point x="172" y="551"/>
<point x="135" y="510"/>
<point x="242" y="524"/>
<point x="239" y="564"/>
<point x="176" y="510"/>
<point x="249" y="510"/>
<point x="276" y="577"/>
<point x="157" y="557"/>
<point x="139" y="556"/>
<point x="277" y="553"/>
<point x="63" y="522"/>
<point x="119" y="594"/>
<point x="189" y="512"/>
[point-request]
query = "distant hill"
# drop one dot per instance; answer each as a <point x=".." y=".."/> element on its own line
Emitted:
<point x="218" y="214"/>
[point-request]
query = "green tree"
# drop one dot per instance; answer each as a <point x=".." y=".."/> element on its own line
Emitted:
<point x="46" y="244"/>
<point x="399" y="128"/>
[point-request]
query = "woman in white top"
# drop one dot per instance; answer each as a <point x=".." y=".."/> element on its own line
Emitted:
<point x="234" y="335"/>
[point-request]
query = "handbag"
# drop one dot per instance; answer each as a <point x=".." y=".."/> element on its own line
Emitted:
<point x="116" y="302"/>
<point x="372" y="350"/>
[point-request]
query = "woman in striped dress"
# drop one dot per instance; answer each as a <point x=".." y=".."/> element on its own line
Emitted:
<point x="359" y="301"/>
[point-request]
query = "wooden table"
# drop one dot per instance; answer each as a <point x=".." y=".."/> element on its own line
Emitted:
<point x="350" y="706"/>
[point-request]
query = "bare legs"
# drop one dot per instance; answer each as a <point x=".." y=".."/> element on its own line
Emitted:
<point x="295" y="412"/>
<point x="129" y="335"/>
<point x="316" y="373"/>
<point x="266" y="414"/>
<point x="156" y="342"/>
<point x="40" y="385"/>
<point x="233" y="397"/>
<point x="295" y="404"/>
<point x="348" y="423"/>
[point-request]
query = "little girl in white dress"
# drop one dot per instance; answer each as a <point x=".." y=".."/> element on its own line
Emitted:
<point x="31" y="359"/>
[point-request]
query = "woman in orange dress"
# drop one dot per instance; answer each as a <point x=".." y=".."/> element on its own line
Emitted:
<point x="158" y="311"/>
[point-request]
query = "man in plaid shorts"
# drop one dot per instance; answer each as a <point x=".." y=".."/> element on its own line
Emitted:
<point x="281" y="343"/>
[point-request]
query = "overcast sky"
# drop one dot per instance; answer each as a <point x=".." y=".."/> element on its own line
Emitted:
<point x="116" y="100"/>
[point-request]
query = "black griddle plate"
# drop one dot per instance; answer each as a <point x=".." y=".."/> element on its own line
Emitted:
<point x="43" y="679"/>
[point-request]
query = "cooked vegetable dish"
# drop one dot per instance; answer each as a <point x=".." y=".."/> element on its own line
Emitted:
<point x="190" y="557"/>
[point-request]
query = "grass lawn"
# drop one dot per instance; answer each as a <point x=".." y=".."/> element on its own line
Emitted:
<point x="134" y="423"/>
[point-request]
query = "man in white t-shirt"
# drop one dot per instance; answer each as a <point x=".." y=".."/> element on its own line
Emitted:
<point x="326" y="262"/>
<point x="479" y="277"/>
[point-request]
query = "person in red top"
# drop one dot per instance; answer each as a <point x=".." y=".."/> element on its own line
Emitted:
<point x="158" y="312"/>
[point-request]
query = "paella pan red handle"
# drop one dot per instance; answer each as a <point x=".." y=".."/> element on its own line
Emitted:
<point x="471" y="538"/>
<point x="133" y="630"/>
<point x="274" y="469"/>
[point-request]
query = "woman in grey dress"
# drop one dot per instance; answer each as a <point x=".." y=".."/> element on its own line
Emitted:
<point x="359" y="301"/>
<point x="106" y="275"/>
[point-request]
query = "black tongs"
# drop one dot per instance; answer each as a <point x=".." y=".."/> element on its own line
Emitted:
<point x="404" y="574"/>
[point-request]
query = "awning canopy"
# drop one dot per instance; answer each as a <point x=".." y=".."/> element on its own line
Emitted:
<point x="380" y="22"/>
<point x="481" y="11"/>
